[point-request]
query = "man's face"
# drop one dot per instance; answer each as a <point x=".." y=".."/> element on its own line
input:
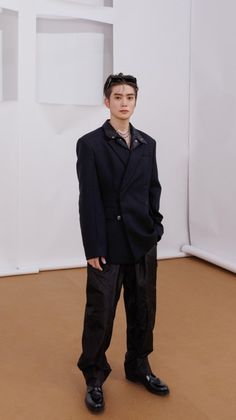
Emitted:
<point x="122" y="101"/>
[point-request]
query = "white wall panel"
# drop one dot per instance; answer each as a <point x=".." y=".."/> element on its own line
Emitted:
<point x="9" y="144"/>
<point x="9" y="188"/>
<point x="89" y="2"/>
<point x="64" y="63"/>
<point x="156" y="51"/>
<point x="9" y="54"/>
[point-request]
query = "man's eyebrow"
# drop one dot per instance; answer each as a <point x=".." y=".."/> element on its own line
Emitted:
<point x="121" y="94"/>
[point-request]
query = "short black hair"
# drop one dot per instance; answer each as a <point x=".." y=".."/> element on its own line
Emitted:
<point x="119" y="79"/>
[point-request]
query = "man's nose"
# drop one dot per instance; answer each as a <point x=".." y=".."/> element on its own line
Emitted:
<point x="124" y="102"/>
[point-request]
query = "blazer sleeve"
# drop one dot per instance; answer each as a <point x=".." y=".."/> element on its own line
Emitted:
<point x="91" y="211"/>
<point x="154" y="198"/>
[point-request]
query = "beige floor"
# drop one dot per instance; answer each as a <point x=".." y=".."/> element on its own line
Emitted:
<point x="41" y="320"/>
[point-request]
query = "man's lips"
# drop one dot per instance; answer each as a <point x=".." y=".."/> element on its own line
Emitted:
<point x="124" y="111"/>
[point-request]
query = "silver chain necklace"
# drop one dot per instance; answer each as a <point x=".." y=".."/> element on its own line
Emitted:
<point x="125" y="135"/>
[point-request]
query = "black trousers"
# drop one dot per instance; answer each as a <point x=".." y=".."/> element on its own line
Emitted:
<point x="103" y="292"/>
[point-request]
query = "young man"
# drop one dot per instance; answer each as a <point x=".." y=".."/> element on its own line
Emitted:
<point x="120" y="225"/>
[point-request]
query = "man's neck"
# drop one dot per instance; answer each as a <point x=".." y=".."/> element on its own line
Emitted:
<point x="119" y="125"/>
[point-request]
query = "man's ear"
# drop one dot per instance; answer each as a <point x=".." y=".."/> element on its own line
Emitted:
<point x="107" y="102"/>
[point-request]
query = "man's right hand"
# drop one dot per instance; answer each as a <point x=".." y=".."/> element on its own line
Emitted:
<point x="95" y="263"/>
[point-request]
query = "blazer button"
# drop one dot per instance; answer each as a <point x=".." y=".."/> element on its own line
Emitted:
<point x="118" y="217"/>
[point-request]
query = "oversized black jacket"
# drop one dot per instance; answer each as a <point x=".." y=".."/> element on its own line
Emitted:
<point x="119" y="195"/>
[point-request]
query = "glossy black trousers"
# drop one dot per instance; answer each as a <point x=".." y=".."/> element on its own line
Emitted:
<point x="103" y="292"/>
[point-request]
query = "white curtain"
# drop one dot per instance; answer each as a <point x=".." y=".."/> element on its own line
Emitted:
<point x="212" y="164"/>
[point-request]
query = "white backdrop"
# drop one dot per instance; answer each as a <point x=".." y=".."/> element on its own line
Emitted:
<point x="40" y="188"/>
<point x="1" y="65"/>
<point x="213" y="133"/>
<point x="156" y="49"/>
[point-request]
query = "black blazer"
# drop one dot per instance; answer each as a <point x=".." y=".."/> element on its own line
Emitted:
<point x="119" y="195"/>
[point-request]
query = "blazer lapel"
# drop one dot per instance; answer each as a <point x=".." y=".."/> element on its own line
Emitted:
<point x="134" y="161"/>
<point x="111" y="137"/>
<point x="119" y="151"/>
<point x="136" y="154"/>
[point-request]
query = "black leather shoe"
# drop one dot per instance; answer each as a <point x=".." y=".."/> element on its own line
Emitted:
<point x="94" y="398"/>
<point x="151" y="382"/>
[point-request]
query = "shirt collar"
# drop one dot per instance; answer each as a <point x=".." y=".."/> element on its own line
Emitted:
<point x="111" y="133"/>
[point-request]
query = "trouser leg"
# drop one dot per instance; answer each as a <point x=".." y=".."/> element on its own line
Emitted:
<point x="140" y="305"/>
<point x="103" y="291"/>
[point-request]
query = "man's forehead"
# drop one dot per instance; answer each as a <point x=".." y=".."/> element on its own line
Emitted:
<point x="123" y="90"/>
